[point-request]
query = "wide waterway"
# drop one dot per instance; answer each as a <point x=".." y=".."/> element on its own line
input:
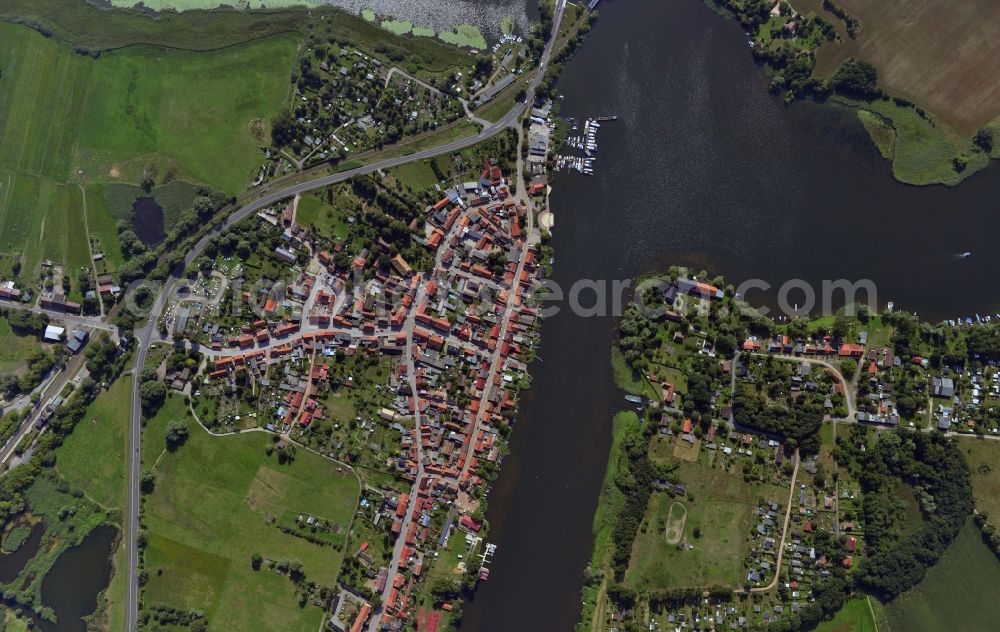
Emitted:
<point x="704" y="168"/>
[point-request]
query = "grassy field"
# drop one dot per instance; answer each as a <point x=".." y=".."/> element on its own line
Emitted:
<point x="14" y="349"/>
<point x="717" y="556"/>
<point x="93" y="456"/>
<point x="175" y="114"/>
<point x="983" y="458"/>
<point x="923" y="152"/>
<point x="940" y="53"/>
<point x="328" y="220"/>
<point x="103" y="228"/>
<point x="722" y="509"/>
<point x="855" y="616"/>
<point x="417" y="176"/>
<point x="210" y="511"/>
<point x="958" y="593"/>
<point x="184" y="114"/>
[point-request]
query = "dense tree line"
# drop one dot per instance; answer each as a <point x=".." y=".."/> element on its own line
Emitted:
<point x="934" y="467"/>
<point x="24" y="322"/>
<point x="857" y="79"/>
<point x="637" y="334"/>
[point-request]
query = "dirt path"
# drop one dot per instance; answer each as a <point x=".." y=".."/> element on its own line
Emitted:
<point x="90" y="250"/>
<point x="784" y="532"/>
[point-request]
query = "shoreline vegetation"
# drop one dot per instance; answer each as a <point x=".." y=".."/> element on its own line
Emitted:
<point x="462" y="35"/>
<point x="789" y="37"/>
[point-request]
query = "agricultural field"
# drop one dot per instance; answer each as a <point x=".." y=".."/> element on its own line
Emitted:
<point x="182" y="114"/>
<point x="217" y="501"/>
<point x="958" y="593"/>
<point x="102" y="431"/>
<point x="942" y="54"/>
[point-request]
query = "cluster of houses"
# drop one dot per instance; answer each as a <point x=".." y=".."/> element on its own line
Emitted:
<point x="463" y="329"/>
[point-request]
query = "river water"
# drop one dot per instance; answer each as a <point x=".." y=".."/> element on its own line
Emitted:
<point x="704" y="168"/>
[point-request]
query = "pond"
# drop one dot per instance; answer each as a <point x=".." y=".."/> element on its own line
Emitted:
<point x="73" y="583"/>
<point x="77" y="578"/>
<point x="147" y="220"/>
<point x="12" y="564"/>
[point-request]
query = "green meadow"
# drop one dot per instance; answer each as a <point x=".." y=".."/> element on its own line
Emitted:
<point x="93" y="455"/>
<point x="218" y="500"/>
<point x="185" y="114"/>
<point x="15" y="348"/>
<point x="66" y="119"/>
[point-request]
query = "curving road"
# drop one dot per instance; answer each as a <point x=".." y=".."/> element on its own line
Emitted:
<point x="147" y="334"/>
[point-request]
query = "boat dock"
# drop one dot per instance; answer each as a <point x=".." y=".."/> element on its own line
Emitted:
<point x="585" y="142"/>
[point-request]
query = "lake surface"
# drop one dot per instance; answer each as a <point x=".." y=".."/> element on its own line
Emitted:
<point x="147" y="220"/>
<point x="705" y="168"/>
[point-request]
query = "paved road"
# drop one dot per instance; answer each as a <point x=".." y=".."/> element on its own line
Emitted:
<point x="147" y="334"/>
<point x="69" y="319"/>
